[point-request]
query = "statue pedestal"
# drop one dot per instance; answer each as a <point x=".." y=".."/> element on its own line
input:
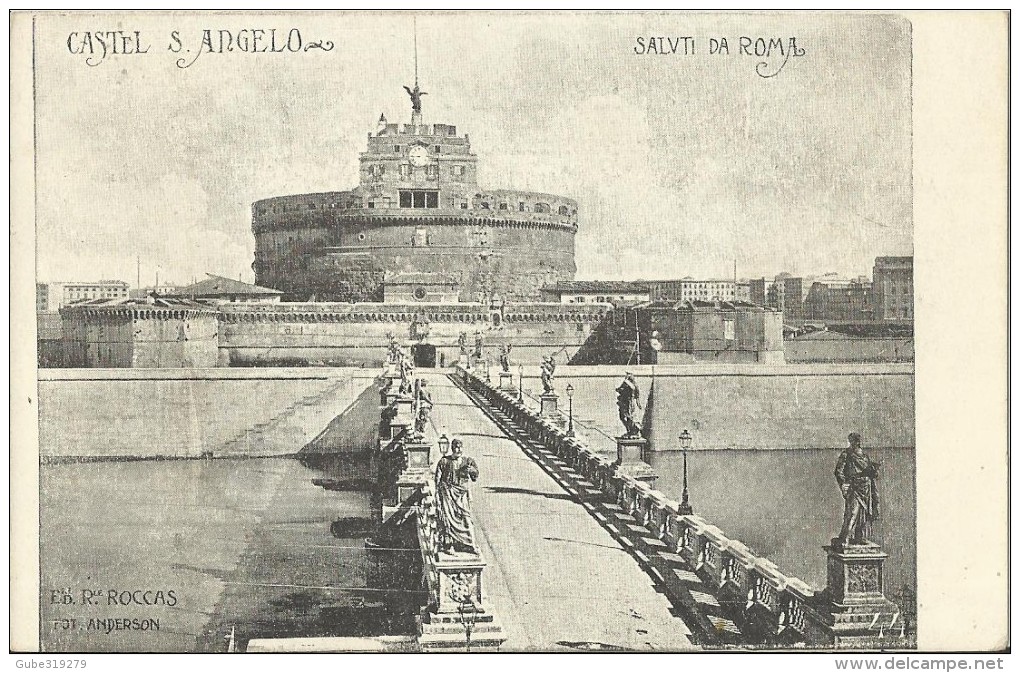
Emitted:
<point x="390" y="396"/>
<point x="630" y="459"/>
<point x="550" y="405"/>
<point x="419" y="460"/>
<point x="506" y="381"/>
<point x="455" y="619"/>
<point x="402" y="405"/>
<point x="397" y="430"/>
<point x="411" y="479"/>
<point x="390" y="370"/>
<point x="464" y="362"/>
<point x="856" y="609"/>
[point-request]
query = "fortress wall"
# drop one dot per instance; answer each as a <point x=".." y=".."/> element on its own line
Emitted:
<point x="130" y="413"/>
<point x="334" y="248"/>
<point x="790" y="406"/>
<point x="365" y="342"/>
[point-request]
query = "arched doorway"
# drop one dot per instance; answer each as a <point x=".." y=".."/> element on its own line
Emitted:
<point x="424" y="355"/>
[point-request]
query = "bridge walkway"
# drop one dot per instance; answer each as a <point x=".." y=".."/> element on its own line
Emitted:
<point x="557" y="579"/>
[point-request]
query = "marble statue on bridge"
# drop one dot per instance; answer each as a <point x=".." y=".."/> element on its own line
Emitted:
<point x="406" y="374"/>
<point x="462" y="343"/>
<point x="504" y="357"/>
<point x="548" y="370"/>
<point x="453" y="473"/>
<point x="393" y="353"/>
<point x="628" y="399"/>
<point x="857" y="477"/>
<point x="423" y="408"/>
<point x="478" y="345"/>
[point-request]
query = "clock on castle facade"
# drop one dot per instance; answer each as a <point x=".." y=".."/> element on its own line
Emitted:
<point x="417" y="209"/>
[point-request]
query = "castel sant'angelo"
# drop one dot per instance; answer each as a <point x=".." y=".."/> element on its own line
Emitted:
<point x="417" y="211"/>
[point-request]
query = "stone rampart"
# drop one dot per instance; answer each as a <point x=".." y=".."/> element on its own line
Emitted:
<point x="93" y="414"/>
<point x="747" y="406"/>
<point x="357" y="334"/>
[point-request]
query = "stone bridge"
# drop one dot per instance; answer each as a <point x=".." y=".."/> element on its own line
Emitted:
<point x="576" y="552"/>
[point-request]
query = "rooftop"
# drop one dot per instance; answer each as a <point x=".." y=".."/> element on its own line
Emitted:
<point x="133" y="303"/>
<point x="599" y="286"/>
<point x="219" y="286"/>
<point x="700" y="305"/>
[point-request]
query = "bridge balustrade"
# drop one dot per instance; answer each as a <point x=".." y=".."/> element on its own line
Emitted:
<point x="454" y="616"/>
<point x="739" y="578"/>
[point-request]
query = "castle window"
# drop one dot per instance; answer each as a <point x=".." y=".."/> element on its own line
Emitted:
<point x="463" y="205"/>
<point x="419" y="198"/>
<point x="432" y="171"/>
<point x="541" y="207"/>
<point x="405" y="170"/>
<point x="564" y="210"/>
<point x="485" y="205"/>
<point x="520" y="206"/>
<point x="502" y="206"/>
<point x="371" y="204"/>
<point x="396" y="148"/>
<point x="457" y="170"/>
<point x="439" y="148"/>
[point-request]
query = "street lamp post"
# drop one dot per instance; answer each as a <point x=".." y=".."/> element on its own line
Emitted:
<point x="685" y="500"/>
<point x="520" y="383"/>
<point x="570" y="410"/>
<point x="444" y="444"/>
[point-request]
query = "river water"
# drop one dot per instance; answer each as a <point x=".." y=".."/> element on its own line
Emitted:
<point x="261" y="547"/>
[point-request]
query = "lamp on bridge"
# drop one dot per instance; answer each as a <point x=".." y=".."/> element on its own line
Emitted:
<point x="685" y="499"/>
<point x="570" y="410"/>
<point x="520" y="383"/>
<point x="444" y="444"/>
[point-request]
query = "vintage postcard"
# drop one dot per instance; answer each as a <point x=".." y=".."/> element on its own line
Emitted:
<point x="506" y="332"/>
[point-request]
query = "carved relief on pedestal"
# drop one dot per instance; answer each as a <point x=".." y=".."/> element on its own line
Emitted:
<point x="461" y="588"/>
<point x="863" y="578"/>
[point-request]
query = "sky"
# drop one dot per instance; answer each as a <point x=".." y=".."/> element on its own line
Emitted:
<point x="681" y="164"/>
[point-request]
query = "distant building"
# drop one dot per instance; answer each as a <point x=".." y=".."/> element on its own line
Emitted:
<point x="787" y="294"/>
<point x="831" y="298"/>
<point x="420" y="287"/>
<point x="694" y="331"/>
<point x="49" y="339"/>
<point x="140" y="333"/>
<point x="893" y="288"/>
<point x="162" y="290"/>
<point x="597" y="291"/>
<point x="742" y="291"/>
<point x="54" y="296"/>
<point x="757" y="291"/>
<point x="690" y="289"/>
<point x="218" y="289"/>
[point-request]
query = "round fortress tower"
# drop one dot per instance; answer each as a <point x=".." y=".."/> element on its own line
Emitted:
<point x="418" y="209"/>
